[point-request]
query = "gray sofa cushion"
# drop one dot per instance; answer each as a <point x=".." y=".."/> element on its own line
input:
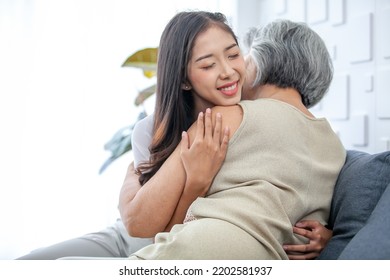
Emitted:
<point x="359" y="187"/>
<point x="372" y="242"/>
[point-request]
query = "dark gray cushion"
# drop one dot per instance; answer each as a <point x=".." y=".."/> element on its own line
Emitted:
<point x="372" y="242"/>
<point x="359" y="187"/>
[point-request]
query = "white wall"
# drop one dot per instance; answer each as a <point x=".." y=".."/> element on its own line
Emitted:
<point x="358" y="38"/>
<point x="63" y="94"/>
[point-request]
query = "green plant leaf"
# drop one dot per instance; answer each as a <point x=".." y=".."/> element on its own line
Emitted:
<point x="120" y="143"/>
<point x="145" y="59"/>
<point x="144" y="94"/>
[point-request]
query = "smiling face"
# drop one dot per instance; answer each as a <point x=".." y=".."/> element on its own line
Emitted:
<point x="216" y="70"/>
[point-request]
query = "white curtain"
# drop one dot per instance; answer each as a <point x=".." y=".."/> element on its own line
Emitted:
<point x="63" y="94"/>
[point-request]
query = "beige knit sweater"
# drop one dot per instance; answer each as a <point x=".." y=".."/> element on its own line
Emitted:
<point x="281" y="167"/>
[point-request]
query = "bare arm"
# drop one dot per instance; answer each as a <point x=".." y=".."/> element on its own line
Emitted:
<point x="147" y="210"/>
<point x="155" y="207"/>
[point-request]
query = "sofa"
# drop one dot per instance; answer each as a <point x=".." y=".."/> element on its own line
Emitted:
<point x="360" y="210"/>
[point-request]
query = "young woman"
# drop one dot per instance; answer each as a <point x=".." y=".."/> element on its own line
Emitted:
<point x="196" y="71"/>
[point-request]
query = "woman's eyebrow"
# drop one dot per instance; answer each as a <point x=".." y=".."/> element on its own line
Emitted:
<point x="230" y="47"/>
<point x="209" y="55"/>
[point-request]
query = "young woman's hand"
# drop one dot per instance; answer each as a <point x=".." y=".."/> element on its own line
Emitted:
<point x="202" y="156"/>
<point x="318" y="236"/>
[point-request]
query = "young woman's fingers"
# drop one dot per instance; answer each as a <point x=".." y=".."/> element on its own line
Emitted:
<point x="311" y="224"/>
<point x="200" y="127"/>
<point x="317" y="235"/>
<point x="208" y="130"/>
<point x="318" y="232"/>
<point x="304" y="232"/>
<point x="302" y="248"/>
<point x="185" y="141"/>
<point x="225" y="140"/>
<point x="217" y="128"/>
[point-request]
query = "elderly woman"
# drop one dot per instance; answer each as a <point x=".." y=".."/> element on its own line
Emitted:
<point x="282" y="162"/>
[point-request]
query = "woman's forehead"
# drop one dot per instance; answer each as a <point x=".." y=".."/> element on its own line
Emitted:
<point x="214" y="39"/>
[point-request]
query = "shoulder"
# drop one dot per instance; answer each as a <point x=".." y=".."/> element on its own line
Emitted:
<point x="146" y="122"/>
<point x="232" y="116"/>
<point x="141" y="138"/>
<point x="143" y="129"/>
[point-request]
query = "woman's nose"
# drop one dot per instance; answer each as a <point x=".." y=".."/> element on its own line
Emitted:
<point x="226" y="71"/>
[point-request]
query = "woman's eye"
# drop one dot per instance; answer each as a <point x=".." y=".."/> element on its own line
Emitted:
<point x="234" y="56"/>
<point x="208" y="66"/>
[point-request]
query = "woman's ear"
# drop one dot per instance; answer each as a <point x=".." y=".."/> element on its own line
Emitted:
<point x="186" y="86"/>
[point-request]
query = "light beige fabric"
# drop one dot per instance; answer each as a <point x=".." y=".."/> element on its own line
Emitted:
<point x="281" y="167"/>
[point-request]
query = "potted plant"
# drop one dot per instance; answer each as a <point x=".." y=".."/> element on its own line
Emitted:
<point x="120" y="143"/>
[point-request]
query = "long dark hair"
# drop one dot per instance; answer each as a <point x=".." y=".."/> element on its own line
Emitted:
<point x="174" y="108"/>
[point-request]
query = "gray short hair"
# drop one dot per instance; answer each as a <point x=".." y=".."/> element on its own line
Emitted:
<point x="291" y="55"/>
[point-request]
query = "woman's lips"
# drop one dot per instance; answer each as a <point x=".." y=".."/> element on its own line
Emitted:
<point x="229" y="89"/>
